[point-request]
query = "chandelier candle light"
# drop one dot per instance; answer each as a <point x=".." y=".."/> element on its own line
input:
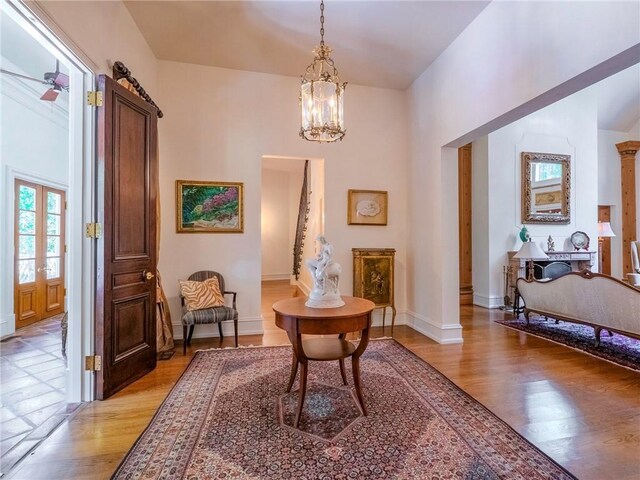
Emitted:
<point x="322" y="95"/>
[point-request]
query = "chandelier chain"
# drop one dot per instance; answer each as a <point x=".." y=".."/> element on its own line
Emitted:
<point x="322" y="22"/>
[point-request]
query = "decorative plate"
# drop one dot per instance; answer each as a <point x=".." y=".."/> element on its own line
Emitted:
<point x="580" y="240"/>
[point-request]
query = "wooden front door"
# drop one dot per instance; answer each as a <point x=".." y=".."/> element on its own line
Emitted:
<point x="39" y="252"/>
<point x="126" y="251"/>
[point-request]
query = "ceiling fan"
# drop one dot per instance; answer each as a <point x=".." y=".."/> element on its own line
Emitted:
<point x="57" y="82"/>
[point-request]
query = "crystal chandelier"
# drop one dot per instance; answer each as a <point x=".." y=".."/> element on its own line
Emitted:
<point x="322" y="95"/>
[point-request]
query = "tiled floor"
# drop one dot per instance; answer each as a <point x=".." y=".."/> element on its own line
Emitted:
<point x="32" y="389"/>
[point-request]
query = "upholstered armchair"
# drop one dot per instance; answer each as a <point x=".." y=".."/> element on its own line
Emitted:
<point x="634" y="277"/>
<point x="208" y="315"/>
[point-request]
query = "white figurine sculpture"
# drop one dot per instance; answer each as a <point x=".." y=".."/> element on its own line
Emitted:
<point x="325" y="274"/>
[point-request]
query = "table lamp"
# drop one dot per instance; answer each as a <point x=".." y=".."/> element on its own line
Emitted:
<point x="604" y="231"/>
<point x="530" y="251"/>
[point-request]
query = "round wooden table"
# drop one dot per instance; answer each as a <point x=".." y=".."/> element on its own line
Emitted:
<point x="297" y="319"/>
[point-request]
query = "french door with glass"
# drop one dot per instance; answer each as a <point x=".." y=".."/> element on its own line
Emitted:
<point x="39" y="252"/>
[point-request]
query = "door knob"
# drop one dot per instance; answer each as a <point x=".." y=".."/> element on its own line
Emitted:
<point x="148" y="275"/>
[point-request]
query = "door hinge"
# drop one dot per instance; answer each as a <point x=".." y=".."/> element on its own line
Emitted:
<point x="94" y="98"/>
<point x="93" y="363"/>
<point x="93" y="230"/>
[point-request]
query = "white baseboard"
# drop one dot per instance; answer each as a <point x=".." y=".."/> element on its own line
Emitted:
<point x="444" y="334"/>
<point x="275" y="276"/>
<point x="7" y="325"/>
<point x="488" y="301"/>
<point x="246" y="326"/>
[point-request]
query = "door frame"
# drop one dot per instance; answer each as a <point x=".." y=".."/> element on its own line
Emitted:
<point x="80" y="259"/>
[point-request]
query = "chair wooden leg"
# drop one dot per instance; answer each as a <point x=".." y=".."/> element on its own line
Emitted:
<point x="235" y="329"/>
<point x="184" y="339"/>
<point x="355" y="363"/>
<point x="220" y="330"/>
<point x="342" y="371"/>
<point x="384" y="316"/>
<point x="393" y="318"/>
<point x="191" y="327"/>
<point x="294" y="371"/>
<point x="302" y="391"/>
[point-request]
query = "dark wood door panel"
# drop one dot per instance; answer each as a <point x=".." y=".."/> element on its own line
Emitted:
<point x="131" y="326"/>
<point x="125" y="297"/>
<point x="131" y="183"/>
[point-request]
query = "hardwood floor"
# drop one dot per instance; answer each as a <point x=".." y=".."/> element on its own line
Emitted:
<point x="581" y="411"/>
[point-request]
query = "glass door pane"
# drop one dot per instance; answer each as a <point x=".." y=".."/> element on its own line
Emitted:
<point x="54" y="202"/>
<point x="27" y="229"/>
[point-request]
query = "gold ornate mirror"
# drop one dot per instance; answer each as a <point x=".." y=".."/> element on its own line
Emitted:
<point x="546" y="188"/>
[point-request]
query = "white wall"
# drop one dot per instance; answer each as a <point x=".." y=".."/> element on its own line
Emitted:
<point x="34" y="144"/>
<point x="513" y="59"/>
<point x="567" y="127"/>
<point x="277" y="259"/>
<point x="480" y="236"/>
<point x="220" y="127"/>
<point x="102" y="33"/>
<point x="609" y="191"/>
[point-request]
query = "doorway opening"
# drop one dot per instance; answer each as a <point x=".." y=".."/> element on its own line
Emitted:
<point x="46" y="305"/>
<point x="292" y="216"/>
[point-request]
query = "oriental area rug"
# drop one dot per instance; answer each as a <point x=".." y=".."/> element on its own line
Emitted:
<point x="229" y="417"/>
<point x="615" y="348"/>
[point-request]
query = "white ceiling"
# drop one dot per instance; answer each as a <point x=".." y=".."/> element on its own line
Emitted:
<point x="619" y="100"/>
<point x="376" y="43"/>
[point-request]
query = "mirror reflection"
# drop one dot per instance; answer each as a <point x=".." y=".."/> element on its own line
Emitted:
<point x="546" y="188"/>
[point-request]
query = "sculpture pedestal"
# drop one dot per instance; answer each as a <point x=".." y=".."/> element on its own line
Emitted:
<point x="324" y="301"/>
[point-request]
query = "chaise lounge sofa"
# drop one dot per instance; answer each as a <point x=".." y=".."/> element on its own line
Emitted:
<point x="600" y="301"/>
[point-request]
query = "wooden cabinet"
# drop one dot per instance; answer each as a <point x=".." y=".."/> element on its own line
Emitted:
<point x="373" y="278"/>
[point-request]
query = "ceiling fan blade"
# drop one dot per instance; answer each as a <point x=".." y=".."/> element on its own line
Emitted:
<point x="62" y="80"/>
<point x="14" y="74"/>
<point x="50" y="95"/>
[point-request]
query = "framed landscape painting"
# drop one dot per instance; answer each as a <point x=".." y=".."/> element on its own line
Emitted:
<point x="209" y="207"/>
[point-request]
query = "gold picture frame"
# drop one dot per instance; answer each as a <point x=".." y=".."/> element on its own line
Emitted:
<point x="209" y="207"/>
<point x="546" y="188"/>
<point x="367" y="207"/>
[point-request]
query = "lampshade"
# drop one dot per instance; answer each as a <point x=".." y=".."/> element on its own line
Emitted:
<point x="604" y="230"/>
<point x="531" y="251"/>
